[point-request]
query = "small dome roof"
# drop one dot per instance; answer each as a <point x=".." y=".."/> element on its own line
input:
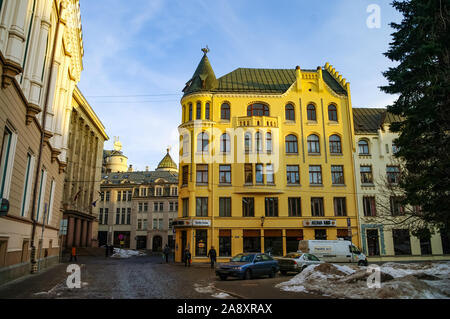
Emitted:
<point x="167" y="163"/>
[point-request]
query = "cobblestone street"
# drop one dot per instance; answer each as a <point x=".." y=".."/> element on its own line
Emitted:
<point x="141" y="277"/>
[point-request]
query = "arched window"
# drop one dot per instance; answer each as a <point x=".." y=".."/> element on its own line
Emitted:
<point x="225" y="111"/>
<point x="291" y="144"/>
<point x="198" y="113"/>
<point x="335" y="144"/>
<point x="225" y="143"/>
<point x="248" y="142"/>
<point x="202" y="142"/>
<point x="363" y="146"/>
<point x="190" y="111"/>
<point x="183" y="115"/>
<point x="311" y="112"/>
<point x="185" y="144"/>
<point x="332" y="113"/>
<point x="257" y="109"/>
<point x="258" y="142"/>
<point x="289" y="112"/>
<point x="207" y="111"/>
<point x="268" y="142"/>
<point x="313" y="144"/>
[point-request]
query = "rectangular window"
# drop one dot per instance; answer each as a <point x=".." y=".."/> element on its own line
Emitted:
<point x="201" y="207"/>
<point x="7" y="160"/>
<point x="366" y="174"/>
<point x="185" y="176"/>
<point x="41" y="196"/>
<point x="248" y="207"/>
<point x="145" y="207"/>
<point x="271" y="206"/>
<point x="337" y="174"/>
<point x="124" y="196"/>
<point x="117" y="216"/>
<point x="139" y="224"/>
<point x="294" y="206"/>
<point x="122" y="221"/>
<point x="396" y="207"/>
<point x="402" y="243"/>
<point x="315" y="174"/>
<point x="140" y="207"/>
<point x="225" y="174"/>
<point x="317" y="206"/>
<point x="119" y="196"/>
<point x="320" y="234"/>
<point x="225" y="206"/>
<point x="128" y="216"/>
<point x="292" y="174"/>
<point x="269" y="174"/>
<point x="105" y="218"/>
<point x="155" y="223"/>
<point x="129" y="193"/>
<point x="185" y="207"/>
<point x="161" y="206"/>
<point x="259" y="174"/>
<point x="248" y="173"/>
<point x="202" y="174"/>
<point x="369" y="206"/>
<point x="392" y="174"/>
<point x="198" y="113"/>
<point x="340" y="206"/>
<point x="100" y="216"/>
<point x="171" y="205"/>
<point x="201" y="237"/>
<point x="107" y="196"/>
<point x="425" y="246"/>
<point x="50" y="201"/>
<point x="160" y="224"/>
<point x="102" y="196"/>
<point x="27" y="185"/>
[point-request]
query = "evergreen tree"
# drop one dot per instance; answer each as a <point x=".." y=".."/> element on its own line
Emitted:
<point x="421" y="79"/>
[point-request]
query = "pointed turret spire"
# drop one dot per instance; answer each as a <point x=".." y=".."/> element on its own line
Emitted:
<point x="204" y="78"/>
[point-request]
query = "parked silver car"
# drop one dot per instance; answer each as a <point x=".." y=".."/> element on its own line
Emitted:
<point x="296" y="262"/>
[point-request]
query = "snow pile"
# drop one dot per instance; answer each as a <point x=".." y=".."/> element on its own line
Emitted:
<point x="126" y="253"/>
<point x="415" y="280"/>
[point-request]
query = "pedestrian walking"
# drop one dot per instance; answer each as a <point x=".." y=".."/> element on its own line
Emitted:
<point x="187" y="258"/>
<point x="73" y="255"/>
<point x="166" y="252"/>
<point x="212" y="254"/>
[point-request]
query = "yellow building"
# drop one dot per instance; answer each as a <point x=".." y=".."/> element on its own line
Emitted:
<point x="265" y="160"/>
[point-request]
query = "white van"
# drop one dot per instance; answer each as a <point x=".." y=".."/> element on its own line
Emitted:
<point x="339" y="251"/>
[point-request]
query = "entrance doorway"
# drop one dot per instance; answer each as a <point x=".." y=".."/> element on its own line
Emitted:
<point x="141" y="242"/>
<point x="157" y="243"/>
<point x="373" y="245"/>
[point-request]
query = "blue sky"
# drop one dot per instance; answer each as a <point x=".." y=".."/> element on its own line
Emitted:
<point x="140" y="53"/>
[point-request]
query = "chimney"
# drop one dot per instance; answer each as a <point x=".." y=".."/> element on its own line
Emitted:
<point x="146" y="168"/>
<point x="130" y="169"/>
<point x="298" y="76"/>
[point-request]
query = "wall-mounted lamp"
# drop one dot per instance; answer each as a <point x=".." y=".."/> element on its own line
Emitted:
<point x="262" y="221"/>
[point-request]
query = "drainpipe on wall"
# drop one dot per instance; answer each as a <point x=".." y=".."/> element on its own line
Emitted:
<point x="41" y="146"/>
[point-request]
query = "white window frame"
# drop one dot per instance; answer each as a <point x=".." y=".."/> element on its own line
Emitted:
<point x="8" y="152"/>
<point x="25" y="207"/>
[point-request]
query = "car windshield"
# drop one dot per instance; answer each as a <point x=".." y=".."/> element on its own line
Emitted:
<point x="293" y="255"/>
<point x="243" y="258"/>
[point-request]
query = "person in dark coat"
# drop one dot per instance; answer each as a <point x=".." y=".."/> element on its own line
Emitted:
<point x="212" y="254"/>
<point x="166" y="252"/>
<point x="187" y="258"/>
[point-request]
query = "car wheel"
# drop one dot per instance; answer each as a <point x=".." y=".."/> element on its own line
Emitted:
<point x="272" y="273"/>
<point x="223" y="277"/>
<point x="283" y="272"/>
<point x="362" y="263"/>
<point x="248" y="274"/>
<point x="303" y="268"/>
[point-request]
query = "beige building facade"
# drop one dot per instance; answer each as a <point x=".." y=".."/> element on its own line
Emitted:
<point x="40" y="63"/>
<point x="137" y="208"/>
<point x="83" y="174"/>
<point x="384" y="236"/>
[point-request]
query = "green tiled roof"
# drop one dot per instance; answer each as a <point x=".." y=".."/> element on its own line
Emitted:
<point x="167" y="163"/>
<point x="369" y="120"/>
<point x="249" y="80"/>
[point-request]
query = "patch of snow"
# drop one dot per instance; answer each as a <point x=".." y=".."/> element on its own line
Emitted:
<point x="399" y="280"/>
<point x="126" y="253"/>
<point x="221" y="295"/>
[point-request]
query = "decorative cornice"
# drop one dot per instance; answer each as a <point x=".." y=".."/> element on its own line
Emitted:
<point x="10" y="70"/>
<point x="47" y="136"/>
<point x="32" y="111"/>
<point x="55" y="153"/>
<point x="62" y="166"/>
